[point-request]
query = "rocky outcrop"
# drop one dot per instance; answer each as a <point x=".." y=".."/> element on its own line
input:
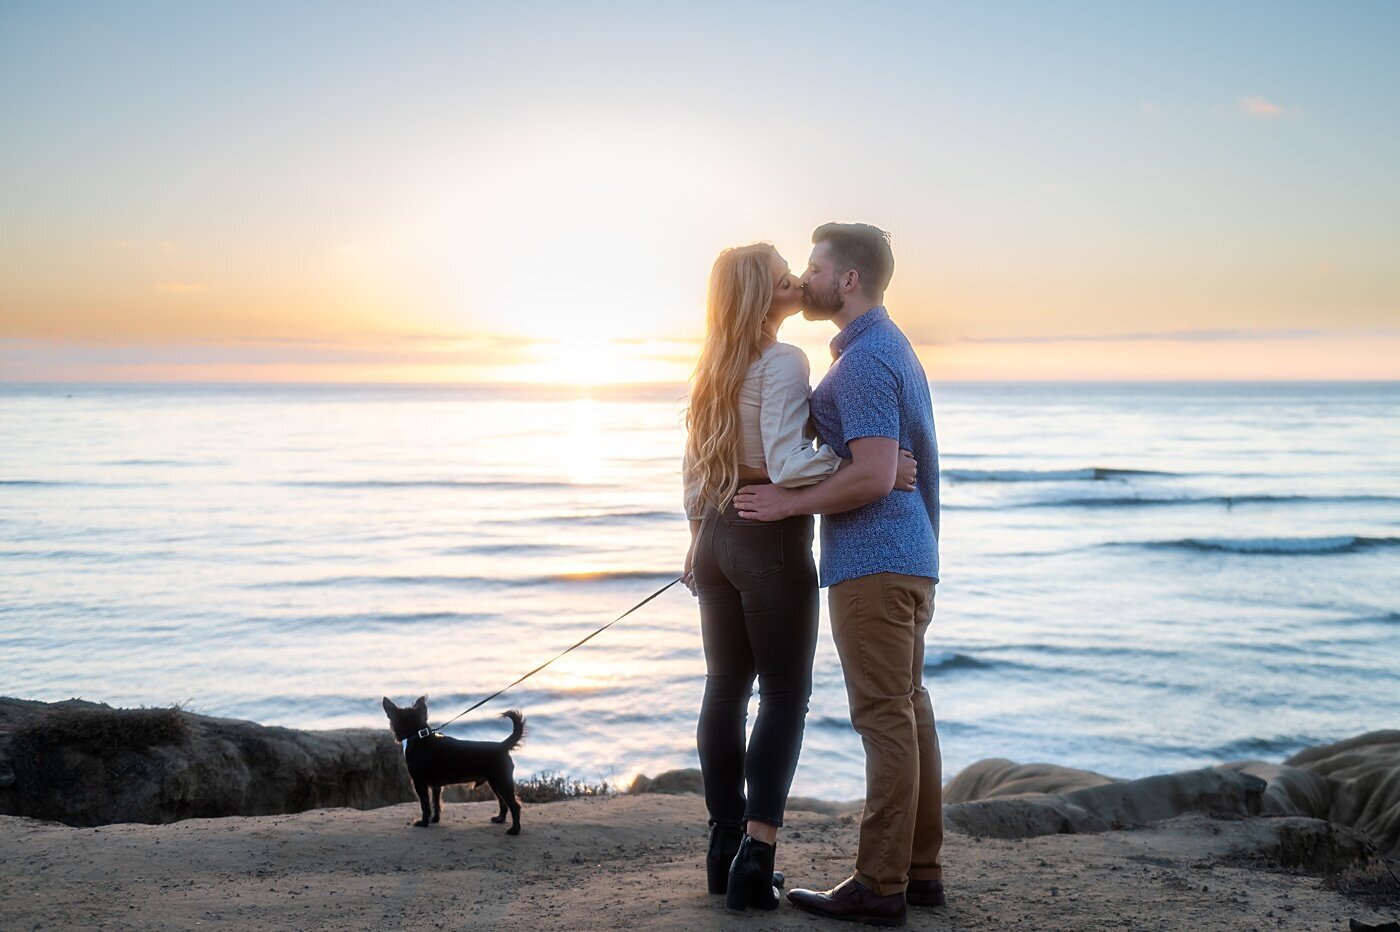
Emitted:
<point x="1353" y="783"/>
<point x="1116" y="804"/>
<point x="1363" y="774"/>
<point x="670" y="781"/>
<point x="997" y="777"/>
<point x="83" y="764"/>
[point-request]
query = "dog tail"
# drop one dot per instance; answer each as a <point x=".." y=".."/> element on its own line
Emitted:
<point x="517" y="733"/>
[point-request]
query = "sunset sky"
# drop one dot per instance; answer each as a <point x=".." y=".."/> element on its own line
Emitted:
<point x="535" y="191"/>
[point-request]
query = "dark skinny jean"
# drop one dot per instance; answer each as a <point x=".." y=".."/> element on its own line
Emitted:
<point x="757" y="587"/>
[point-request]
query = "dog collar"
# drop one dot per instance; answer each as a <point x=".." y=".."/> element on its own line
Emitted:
<point x="421" y="733"/>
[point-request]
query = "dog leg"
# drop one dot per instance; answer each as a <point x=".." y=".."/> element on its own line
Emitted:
<point x="500" y="816"/>
<point x="504" y="788"/>
<point x="421" y="788"/>
<point x="437" y="804"/>
<point x="514" y="810"/>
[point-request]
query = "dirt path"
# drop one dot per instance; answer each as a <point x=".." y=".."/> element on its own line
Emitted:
<point x="629" y="862"/>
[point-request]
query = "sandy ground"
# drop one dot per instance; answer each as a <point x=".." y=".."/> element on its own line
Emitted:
<point x="629" y="862"/>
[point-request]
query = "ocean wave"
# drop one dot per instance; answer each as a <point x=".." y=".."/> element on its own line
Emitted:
<point x="1086" y="474"/>
<point x="1389" y="618"/>
<point x="946" y="727"/>
<point x="361" y="620"/>
<point x="611" y="576"/>
<point x="1227" y="501"/>
<point x="512" y="549"/>
<point x="1085" y="650"/>
<point x="582" y="576"/>
<point x="74" y="484"/>
<point x="611" y="516"/>
<point x="1248" y="748"/>
<point x="496" y="484"/>
<point x="947" y="661"/>
<point x="88" y="556"/>
<point x="139" y="462"/>
<point x="1279" y="546"/>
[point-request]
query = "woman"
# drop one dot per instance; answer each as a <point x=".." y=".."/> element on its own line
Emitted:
<point x="756" y="582"/>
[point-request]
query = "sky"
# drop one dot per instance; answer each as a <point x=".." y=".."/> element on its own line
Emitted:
<point x="535" y="191"/>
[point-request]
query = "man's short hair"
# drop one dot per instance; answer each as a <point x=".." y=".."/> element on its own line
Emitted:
<point x="862" y="247"/>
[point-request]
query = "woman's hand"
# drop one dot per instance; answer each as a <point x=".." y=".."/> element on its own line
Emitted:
<point x="906" y="471"/>
<point x="688" y="575"/>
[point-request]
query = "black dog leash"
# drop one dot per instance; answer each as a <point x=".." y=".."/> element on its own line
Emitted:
<point x="565" y="651"/>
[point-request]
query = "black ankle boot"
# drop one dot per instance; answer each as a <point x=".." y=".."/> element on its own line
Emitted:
<point x="724" y="844"/>
<point x="751" y="877"/>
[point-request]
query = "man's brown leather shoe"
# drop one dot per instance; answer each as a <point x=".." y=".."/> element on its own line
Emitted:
<point x="853" y="901"/>
<point x="925" y="893"/>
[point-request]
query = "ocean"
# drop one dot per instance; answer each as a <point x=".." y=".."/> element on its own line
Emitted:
<point x="1137" y="578"/>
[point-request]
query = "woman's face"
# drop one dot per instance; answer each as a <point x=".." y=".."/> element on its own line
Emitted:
<point x="787" y="291"/>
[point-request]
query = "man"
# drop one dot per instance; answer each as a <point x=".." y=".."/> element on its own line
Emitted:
<point x="880" y="561"/>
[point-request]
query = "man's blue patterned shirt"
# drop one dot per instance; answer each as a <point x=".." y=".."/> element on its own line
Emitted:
<point x="877" y="388"/>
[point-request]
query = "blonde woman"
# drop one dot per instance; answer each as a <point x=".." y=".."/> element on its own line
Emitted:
<point x="748" y="424"/>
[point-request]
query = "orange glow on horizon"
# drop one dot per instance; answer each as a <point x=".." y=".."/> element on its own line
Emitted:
<point x="598" y="361"/>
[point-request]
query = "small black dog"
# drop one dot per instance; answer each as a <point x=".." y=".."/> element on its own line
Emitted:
<point x="435" y="761"/>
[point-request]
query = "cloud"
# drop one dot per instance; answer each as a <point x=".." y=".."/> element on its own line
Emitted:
<point x="1160" y="336"/>
<point x="182" y="287"/>
<point x="137" y="245"/>
<point x="1258" y="106"/>
<point x="358" y="350"/>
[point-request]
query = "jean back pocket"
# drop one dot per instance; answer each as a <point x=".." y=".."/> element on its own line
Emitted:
<point x="755" y="547"/>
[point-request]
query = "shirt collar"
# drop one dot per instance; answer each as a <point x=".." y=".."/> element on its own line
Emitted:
<point x="855" y="328"/>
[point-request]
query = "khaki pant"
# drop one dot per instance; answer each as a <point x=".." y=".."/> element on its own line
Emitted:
<point x="879" y="622"/>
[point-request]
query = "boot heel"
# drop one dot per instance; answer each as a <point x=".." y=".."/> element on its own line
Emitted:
<point x="751" y="878"/>
<point x="724" y="844"/>
<point x="737" y="896"/>
<point x="717" y="873"/>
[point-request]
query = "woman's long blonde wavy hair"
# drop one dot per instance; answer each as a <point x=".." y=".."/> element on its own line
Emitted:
<point x="740" y="294"/>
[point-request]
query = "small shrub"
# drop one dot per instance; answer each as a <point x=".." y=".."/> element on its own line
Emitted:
<point x="1373" y="883"/>
<point x="546" y="787"/>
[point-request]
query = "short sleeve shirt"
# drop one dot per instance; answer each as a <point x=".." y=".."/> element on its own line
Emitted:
<point x="876" y="387"/>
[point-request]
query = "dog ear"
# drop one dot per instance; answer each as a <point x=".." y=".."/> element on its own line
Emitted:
<point x="389" y="707"/>
<point x="422" y="703"/>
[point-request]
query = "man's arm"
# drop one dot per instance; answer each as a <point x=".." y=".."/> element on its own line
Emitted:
<point x="870" y="476"/>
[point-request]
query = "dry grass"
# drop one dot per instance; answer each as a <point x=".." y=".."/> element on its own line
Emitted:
<point x="1374" y="883"/>
<point x="546" y="787"/>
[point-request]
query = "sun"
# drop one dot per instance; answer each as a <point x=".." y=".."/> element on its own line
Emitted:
<point x="586" y="245"/>
<point x="598" y="360"/>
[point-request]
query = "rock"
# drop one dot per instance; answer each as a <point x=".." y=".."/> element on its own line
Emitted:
<point x="83" y="764"/>
<point x="1290" y="791"/>
<point x="1119" y="804"/>
<point x="1311" y="845"/>
<point x="996" y="778"/>
<point x="1363" y="779"/>
<point x="670" y="781"/>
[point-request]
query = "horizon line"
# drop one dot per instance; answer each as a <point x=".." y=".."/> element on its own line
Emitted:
<point x="624" y="386"/>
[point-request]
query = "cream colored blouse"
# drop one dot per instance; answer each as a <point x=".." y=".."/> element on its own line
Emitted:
<point x="775" y="432"/>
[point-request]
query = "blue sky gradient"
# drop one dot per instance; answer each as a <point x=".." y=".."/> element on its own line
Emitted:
<point x="233" y="174"/>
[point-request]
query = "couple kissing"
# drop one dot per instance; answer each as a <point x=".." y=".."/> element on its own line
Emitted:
<point x="764" y="454"/>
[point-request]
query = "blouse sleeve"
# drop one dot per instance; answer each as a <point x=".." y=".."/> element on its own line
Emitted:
<point x="694" y="510"/>
<point x="783" y="415"/>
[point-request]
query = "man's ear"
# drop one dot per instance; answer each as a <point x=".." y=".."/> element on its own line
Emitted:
<point x="850" y="282"/>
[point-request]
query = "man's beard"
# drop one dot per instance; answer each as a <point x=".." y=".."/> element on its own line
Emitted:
<point x="821" y="305"/>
